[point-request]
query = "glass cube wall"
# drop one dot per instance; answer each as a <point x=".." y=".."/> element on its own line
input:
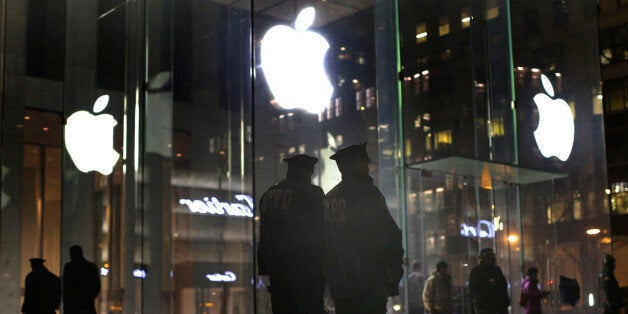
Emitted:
<point x="452" y="98"/>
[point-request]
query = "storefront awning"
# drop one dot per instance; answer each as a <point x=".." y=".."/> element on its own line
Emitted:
<point x="496" y="171"/>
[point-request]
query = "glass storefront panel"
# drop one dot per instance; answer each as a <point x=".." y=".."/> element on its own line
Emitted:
<point x="196" y="125"/>
<point x="483" y="160"/>
<point x="358" y="87"/>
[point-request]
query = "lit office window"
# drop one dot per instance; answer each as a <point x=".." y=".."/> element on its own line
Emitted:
<point x="428" y="142"/>
<point x="442" y="138"/>
<point x="492" y="12"/>
<point x="338" y="106"/>
<point x="465" y="17"/>
<point x="443" y="25"/>
<point x="497" y="127"/>
<point x="421" y="33"/>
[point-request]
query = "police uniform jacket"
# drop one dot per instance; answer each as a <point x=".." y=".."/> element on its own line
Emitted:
<point x="364" y="242"/>
<point x="291" y="228"/>
<point x="42" y="293"/>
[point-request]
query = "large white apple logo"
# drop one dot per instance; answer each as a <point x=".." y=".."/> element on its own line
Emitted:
<point x="293" y="63"/>
<point x="555" y="133"/>
<point x="89" y="139"/>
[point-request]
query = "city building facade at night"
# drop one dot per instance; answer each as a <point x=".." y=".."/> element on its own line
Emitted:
<point x="146" y="131"/>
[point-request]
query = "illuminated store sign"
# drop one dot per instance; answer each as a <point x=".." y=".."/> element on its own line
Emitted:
<point x="484" y="229"/>
<point x="226" y="277"/>
<point x="555" y="133"/>
<point x="89" y="139"/>
<point x="293" y="61"/>
<point x="212" y="206"/>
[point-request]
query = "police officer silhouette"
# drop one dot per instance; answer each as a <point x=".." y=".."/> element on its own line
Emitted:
<point x="291" y="249"/>
<point x="42" y="293"/>
<point x="365" y="256"/>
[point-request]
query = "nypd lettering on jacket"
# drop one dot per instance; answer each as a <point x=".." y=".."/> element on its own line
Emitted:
<point x="277" y="199"/>
<point x="335" y="209"/>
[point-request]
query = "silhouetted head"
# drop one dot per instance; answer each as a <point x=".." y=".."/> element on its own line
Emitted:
<point x="76" y="252"/>
<point x="300" y="166"/>
<point x="442" y="267"/>
<point x="487" y="256"/>
<point x="532" y="272"/>
<point x="609" y="262"/>
<point x="416" y="266"/>
<point x="37" y="262"/>
<point x="352" y="158"/>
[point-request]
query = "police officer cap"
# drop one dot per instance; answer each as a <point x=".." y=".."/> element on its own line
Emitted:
<point x="485" y="252"/>
<point x="37" y="261"/>
<point x="351" y="153"/>
<point x="609" y="259"/>
<point x="301" y="160"/>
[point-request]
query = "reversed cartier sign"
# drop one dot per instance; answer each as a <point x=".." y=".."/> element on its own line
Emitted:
<point x="484" y="229"/>
<point x="212" y="206"/>
<point x="226" y="277"/>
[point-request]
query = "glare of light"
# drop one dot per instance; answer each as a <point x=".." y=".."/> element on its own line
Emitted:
<point x="466" y="19"/>
<point x="27" y="117"/>
<point x="607" y="191"/>
<point x="606" y="240"/>
<point x="139" y="273"/>
<point x="355" y="81"/>
<point x="593" y="231"/>
<point x="417" y="75"/>
<point x="397" y="307"/>
<point x="421" y="35"/>
<point x="425" y="72"/>
<point x="591" y="300"/>
<point x="104" y="271"/>
<point x="209" y="304"/>
<point x="343" y="48"/>
<point x="45" y="129"/>
<point x="362" y="108"/>
<point x="600" y="97"/>
<point x="535" y="70"/>
<point x="440" y="190"/>
<point x="293" y="61"/>
<point x="89" y="139"/>
<point x="513" y="238"/>
<point x="519" y="68"/>
<point x="558" y="74"/>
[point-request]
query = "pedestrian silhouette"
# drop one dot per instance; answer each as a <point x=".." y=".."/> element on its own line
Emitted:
<point x="81" y="284"/>
<point x="416" y="283"/>
<point x="365" y="256"/>
<point x="438" y="294"/>
<point x="569" y="290"/>
<point x="488" y="286"/>
<point x="42" y="293"/>
<point x="291" y="250"/>
<point x="611" y="295"/>
<point x="531" y="295"/>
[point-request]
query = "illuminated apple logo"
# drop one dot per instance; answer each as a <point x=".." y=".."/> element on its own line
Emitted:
<point x="555" y="133"/>
<point x="293" y="61"/>
<point x="89" y="139"/>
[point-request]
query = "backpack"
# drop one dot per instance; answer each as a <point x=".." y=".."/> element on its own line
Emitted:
<point x="523" y="299"/>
